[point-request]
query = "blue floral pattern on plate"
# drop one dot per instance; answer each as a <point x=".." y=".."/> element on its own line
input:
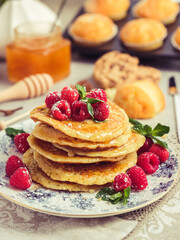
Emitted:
<point x="82" y="205"/>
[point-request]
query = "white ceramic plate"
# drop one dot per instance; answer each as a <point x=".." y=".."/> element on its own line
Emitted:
<point x="80" y="205"/>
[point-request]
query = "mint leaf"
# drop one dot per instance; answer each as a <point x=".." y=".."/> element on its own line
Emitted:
<point x="12" y="132"/>
<point x="127" y="192"/>
<point x="138" y="129"/>
<point x="90" y="110"/>
<point x="147" y="131"/>
<point x="134" y="122"/>
<point x="160" y="130"/>
<point x="109" y="194"/>
<point x="115" y="198"/>
<point x="81" y="90"/>
<point x="105" y="193"/>
<point x="93" y="100"/>
<point x="160" y="142"/>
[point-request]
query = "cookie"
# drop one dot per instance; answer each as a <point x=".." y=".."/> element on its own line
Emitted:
<point x="115" y="68"/>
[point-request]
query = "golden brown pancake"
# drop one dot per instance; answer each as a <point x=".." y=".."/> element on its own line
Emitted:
<point x="57" y="155"/>
<point x="49" y="134"/>
<point x="85" y="174"/>
<point x="133" y="144"/>
<point x="88" y="130"/>
<point x="40" y="177"/>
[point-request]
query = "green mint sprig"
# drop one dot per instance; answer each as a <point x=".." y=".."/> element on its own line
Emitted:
<point x="88" y="101"/>
<point x="110" y="195"/>
<point x="12" y="132"/>
<point x="154" y="133"/>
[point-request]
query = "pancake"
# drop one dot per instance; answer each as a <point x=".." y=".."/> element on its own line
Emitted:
<point x="85" y="174"/>
<point x="57" y="155"/>
<point x="40" y="177"/>
<point x="88" y="130"/>
<point x="49" y="134"/>
<point x="133" y="144"/>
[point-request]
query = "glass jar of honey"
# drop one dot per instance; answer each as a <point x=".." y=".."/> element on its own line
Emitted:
<point x="38" y="49"/>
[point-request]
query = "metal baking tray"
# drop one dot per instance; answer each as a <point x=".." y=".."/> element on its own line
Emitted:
<point x="166" y="51"/>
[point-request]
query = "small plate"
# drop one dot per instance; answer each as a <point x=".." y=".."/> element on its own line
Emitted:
<point x="80" y="205"/>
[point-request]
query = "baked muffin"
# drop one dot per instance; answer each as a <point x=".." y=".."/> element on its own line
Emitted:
<point x="92" y="29"/>
<point x="115" y="68"/>
<point x="175" y="39"/>
<point x="164" y="10"/>
<point x="115" y="9"/>
<point x="140" y="99"/>
<point x="143" y="34"/>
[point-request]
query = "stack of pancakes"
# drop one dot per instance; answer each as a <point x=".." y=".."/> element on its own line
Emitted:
<point x="80" y="156"/>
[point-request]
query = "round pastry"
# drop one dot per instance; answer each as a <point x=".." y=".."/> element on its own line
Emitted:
<point x="92" y="29"/>
<point x="140" y="99"/>
<point x="175" y="39"/>
<point x="115" y="68"/>
<point x="164" y="10"/>
<point x="115" y="9"/>
<point x="143" y="34"/>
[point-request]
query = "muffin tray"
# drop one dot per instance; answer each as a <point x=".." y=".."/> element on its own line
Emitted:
<point x="166" y="51"/>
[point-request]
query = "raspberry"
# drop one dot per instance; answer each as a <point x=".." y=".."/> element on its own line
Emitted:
<point x="97" y="94"/>
<point x="21" y="178"/>
<point x="160" y="151"/>
<point x="80" y="111"/>
<point x="52" y="98"/>
<point x="69" y="94"/>
<point x="145" y="148"/>
<point x="13" y="163"/>
<point x="21" y="142"/>
<point x="149" y="162"/>
<point x="138" y="178"/>
<point x="121" y="181"/>
<point x="61" y="110"/>
<point x="101" y="111"/>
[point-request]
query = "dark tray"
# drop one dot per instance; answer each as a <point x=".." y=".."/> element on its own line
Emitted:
<point x="166" y="51"/>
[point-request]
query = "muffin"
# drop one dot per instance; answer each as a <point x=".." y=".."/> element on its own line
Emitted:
<point x="140" y="99"/>
<point x="143" y="34"/>
<point x="164" y="10"/>
<point x="175" y="39"/>
<point x="92" y="29"/>
<point x="115" y="9"/>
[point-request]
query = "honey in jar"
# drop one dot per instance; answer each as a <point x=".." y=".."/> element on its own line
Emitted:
<point x="38" y="49"/>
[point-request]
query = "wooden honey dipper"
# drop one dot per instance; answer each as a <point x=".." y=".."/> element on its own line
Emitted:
<point x="30" y="87"/>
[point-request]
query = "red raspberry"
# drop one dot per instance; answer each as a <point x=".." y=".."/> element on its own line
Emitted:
<point x="61" y="110"/>
<point x="52" y="98"/>
<point x="97" y="94"/>
<point x="160" y="151"/>
<point x="21" y="178"/>
<point x="69" y="94"/>
<point x="13" y="163"/>
<point x="121" y="181"/>
<point x="138" y="178"/>
<point x="21" y="142"/>
<point x="149" y="162"/>
<point x="145" y="148"/>
<point x="101" y="111"/>
<point x="80" y="111"/>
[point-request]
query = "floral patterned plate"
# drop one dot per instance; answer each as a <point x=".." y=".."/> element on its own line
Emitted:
<point x="81" y="205"/>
